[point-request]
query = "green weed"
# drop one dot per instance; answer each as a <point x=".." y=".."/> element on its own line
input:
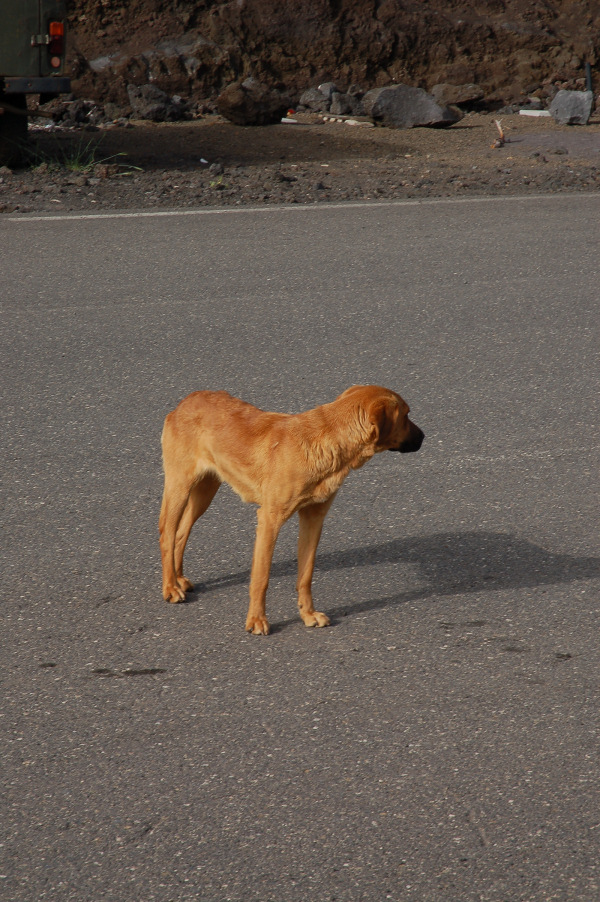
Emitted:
<point x="80" y="157"/>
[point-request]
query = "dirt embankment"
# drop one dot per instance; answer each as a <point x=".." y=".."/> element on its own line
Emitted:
<point x="509" y="47"/>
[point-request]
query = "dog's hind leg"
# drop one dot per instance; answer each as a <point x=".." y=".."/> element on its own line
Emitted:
<point x="311" y="523"/>
<point x="199" y="499"/>
<point x="175" y="498"/>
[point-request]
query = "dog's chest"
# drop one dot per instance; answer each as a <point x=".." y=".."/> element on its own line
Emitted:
<point x="329" y="486"/>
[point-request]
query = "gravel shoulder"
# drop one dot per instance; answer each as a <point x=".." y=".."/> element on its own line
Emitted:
<point x="210" y="162"/>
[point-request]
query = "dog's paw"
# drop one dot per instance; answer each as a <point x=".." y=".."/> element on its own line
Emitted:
<point x="173" y="594"/>
<point x="184" y="584"/>
<point x="258" y="626"/>
<point x="316" y="618"/>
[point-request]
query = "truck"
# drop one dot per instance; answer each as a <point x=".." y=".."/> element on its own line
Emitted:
<point x="32" y="61"/>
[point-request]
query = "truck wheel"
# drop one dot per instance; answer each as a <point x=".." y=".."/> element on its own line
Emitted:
<point x="13" y="130"/>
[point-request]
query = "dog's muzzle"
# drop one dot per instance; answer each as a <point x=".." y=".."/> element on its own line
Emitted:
<point x="412" y="443"/>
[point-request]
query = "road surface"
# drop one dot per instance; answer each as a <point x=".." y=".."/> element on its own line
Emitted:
<point x="439" y="741"/>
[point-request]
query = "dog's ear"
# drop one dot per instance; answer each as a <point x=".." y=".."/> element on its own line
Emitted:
<point x="383" y="416"/>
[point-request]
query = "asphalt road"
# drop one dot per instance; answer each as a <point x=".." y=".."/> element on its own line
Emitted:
<point x="440" y="741"/>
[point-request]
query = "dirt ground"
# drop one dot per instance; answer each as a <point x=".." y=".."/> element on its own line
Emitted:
<point x="210" y="162"/>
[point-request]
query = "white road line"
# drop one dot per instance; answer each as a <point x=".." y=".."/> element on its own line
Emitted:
<point x="295" y="208"/>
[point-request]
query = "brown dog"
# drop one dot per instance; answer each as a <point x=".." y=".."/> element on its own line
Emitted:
<point x="282" y="462"/>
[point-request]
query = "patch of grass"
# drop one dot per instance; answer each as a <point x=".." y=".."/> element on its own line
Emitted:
<point x="79" y="157"/>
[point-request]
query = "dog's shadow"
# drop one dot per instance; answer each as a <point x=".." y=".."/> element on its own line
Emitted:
<point x="447" y="564"/>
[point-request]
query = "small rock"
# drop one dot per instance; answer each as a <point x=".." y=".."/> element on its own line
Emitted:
<point x="78" y="113"/>
<point x="252" y="103"/>
<point x="105" y="170"/>
<point x="149" y="102"/>
<point x="113" y="111"/>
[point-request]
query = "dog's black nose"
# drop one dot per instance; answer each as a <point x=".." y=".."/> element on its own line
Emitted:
<point x="412" y="443"/>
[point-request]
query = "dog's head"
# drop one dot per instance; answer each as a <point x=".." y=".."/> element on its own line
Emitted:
<point x="386" y="414"/>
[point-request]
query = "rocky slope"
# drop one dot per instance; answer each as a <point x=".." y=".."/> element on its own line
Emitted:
<point x="509" y="47"/>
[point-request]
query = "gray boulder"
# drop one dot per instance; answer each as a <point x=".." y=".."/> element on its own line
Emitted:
<point x="572" y="107"/>
<point x="149" y="102"/>
<point x="345" y="105"/>
<point x="328" y="89"/>
<point x="313" y="99"/>
<point x="460" y="95"/>
<point x="341" y="104"/>
<point x="399" y="106"/>
<point x="319" y="99"/>
<point x="252" y="103"/>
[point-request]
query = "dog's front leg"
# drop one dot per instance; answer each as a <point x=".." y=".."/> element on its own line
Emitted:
<point x="311" y="523"/>
<point x="267" y="530"/>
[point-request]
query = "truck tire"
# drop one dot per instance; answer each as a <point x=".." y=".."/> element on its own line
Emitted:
<point x="13" y="131"/>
